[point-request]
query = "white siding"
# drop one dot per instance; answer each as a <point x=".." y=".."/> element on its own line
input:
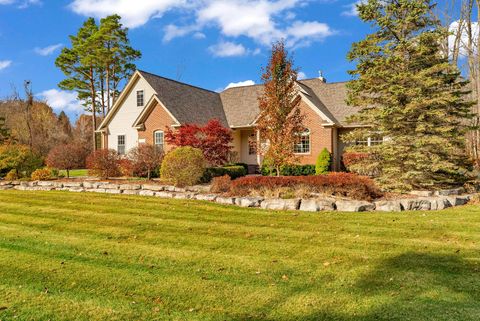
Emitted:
<point x="122" y="121"/>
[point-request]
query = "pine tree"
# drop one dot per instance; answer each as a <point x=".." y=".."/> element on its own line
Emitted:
<point x="280" y="120"/>
<point x="410" y="95"/>
<point x="4" y="132"/>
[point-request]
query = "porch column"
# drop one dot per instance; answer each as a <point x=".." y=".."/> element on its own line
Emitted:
<point x="259" y="157"/>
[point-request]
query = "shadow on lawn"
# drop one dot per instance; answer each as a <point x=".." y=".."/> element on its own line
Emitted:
<point x="411" y="286"/>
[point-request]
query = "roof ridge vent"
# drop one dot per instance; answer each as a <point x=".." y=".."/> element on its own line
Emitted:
<point x="320" y="76"/>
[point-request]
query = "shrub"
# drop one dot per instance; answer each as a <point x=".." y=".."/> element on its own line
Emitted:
<point x="67" y="157"/>
<point x="42" y="174"/>
<point x="337" y="184"/>
<point x="324" y="161"/>
<point x="146" y="160"/>
<point x="289" y="170"/>
<point x="232" y="171"/>
<point x="221" y="184"/>
<point x="126" y="167"/>
<point x="183" y="166"/>
<point x="12" y="175"/>
<point x="213" y="140"/>
<point x="103" y="163"/>
<point x="360" y="163"/>
<point x="18" y="158"/>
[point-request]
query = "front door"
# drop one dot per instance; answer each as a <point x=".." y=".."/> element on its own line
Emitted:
<point x="248" y="151"/>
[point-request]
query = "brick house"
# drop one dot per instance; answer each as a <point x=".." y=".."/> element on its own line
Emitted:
<point x="150" y="103"/>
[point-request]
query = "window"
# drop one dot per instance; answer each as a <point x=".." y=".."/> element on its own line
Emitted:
<point x="140" y="98"/>
<point x="302" y="145"/>
<point x="371" y="141"/>
<point x="158" y="139"/>
<point x="252" y="144"/>
<point x="121" y="144"/>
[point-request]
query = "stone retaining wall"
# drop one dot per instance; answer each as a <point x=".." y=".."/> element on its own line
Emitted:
<point x="437" y="201"/>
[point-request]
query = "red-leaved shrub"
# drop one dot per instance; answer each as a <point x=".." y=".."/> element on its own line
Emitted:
<point x="213" y="139"/>
<point x="126" y="167"/>
<point x="103" y="163"/>
<point x="336" y="184"/>
<point x="146" y="159"/>
<point x="221" y="184"/>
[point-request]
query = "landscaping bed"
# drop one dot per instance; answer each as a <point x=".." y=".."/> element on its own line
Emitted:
<point x="314" y="203"/>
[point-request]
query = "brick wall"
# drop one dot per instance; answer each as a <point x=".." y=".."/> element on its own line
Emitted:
<point x="320" y="137"/>
<point x="158" y="119"/>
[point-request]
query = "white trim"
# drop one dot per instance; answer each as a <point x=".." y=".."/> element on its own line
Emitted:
<point x="315" y="109"/>
<point x="309" y="142"/>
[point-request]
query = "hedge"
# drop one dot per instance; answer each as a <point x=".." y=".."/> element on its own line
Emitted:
<point x="232" y="171"/>
<point x="290" y="170"/>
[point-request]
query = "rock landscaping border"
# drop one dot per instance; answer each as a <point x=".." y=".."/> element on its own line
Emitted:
<point x="418" y="200"/>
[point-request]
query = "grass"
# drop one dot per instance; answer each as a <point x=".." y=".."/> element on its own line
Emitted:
<point x="75" y="172"/>
<point x="66" y="256"/>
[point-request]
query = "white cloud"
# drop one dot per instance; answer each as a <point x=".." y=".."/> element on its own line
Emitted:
<point x="351" y="10"/>
<point x="21" y="4"/>
<point x="263" y="21"/>
<point x="48" y="50"/>
<point x="5" y="64"/>
<point x="199" y="35"/>
<point x="134" y="13"/>
<point x="61" y="100"/>
<point x="240" y="84"/>
<point x="301" y="75"/>
<point x="228" y="49"/>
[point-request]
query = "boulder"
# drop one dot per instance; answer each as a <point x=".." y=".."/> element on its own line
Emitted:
<point x="225" y="200"/>
<point x="90" y="184"/>
<point x="108" y="186"/>
<point x="146" y="193"/>
<point x="280" y="204"/>
<point x="130" y="192"/>
<point x="448" y="192"/>
<point x="58" y="184"/>
<point x="113" y="191"/>
<point x="458" y="200"/>
<point x="5" y="187"/>
<point x="129" y="186"/>
<point x="206" y="197"/>
<point x="3" y="183"/>
<point x="45" y="183"/>
<point x="96" y="190"/>
<point x="248" y="201"/>
<point x="153" y="187"/>
<point x="416" y="204"/>
<point x="72" y="184"/>
<point x="439" y="203"/>
<point x="21" y="187"/>
<point x="314" y="205"/>
<point x="422" y="193"/>
<point x="388" y="206"/>
<point x="184" y="196"/>
<point x="76" y="189"/>
<point x="198" y="188"/>
<point x="354" y="206"/>
<point x="164" y="194"/>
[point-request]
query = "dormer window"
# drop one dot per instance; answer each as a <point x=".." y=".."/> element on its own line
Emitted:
<point x="139" y="98"/>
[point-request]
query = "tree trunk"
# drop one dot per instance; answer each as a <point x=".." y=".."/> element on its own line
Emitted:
<point x="94" y="107"/>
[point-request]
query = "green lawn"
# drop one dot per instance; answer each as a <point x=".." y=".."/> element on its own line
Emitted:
<point x="75" y="172"/>
<point x="69" y="256"/>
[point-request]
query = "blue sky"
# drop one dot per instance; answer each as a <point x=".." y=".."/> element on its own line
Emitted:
<point x="206" y="43"/>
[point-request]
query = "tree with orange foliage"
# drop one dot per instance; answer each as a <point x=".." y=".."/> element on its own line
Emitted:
<point x="280" y="120"/>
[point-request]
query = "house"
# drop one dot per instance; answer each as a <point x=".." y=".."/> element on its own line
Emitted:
<point x="149" y="104"/>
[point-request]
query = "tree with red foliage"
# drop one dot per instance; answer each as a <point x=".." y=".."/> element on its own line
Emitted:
<point x="213" y="139"/>
<point x="145" y="159"/>
<point x="280" y="120"/>
<point x="67" y="157"/>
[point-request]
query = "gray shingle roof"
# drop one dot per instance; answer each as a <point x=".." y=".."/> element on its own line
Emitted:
<point x="188" y="104"/>
<point x="238" y="106"/>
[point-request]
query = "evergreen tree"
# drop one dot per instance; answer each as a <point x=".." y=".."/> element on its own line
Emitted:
<point x="280" y="120"/>
<point x="99" y="59"/>
<point x="410" y="95"/>
<point x="4" y="132"/>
